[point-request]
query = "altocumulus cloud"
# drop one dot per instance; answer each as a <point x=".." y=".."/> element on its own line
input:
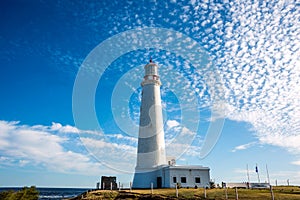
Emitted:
<point x="259" y="68"/>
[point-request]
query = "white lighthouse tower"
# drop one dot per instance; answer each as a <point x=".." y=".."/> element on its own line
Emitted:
<point x="151" y="166"/>
<point x="151" y="153"/>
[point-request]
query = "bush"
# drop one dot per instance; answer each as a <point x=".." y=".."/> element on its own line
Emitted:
<point x="212" y="184"/>
<point x="23" y="194"/>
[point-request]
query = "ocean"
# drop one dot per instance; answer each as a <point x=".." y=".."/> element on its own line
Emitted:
<point x="53" y="193"/>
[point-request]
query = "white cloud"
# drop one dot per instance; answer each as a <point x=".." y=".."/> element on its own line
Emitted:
<point x="172" y="123"/>
<point x="24" y="145"/>
<point x="49" y="147"/>
<point x="291" y="142"/>
<point x="243" y="146"/>
<point x="260" y="73"/>
<point x="118" y="156"/>
<point x="64" y="129"/>
<point x="46" y="146"/>
<point x="183" y="143"/>
<point x="186" y="131"/>
<point x="281" y="176"/>
<point x="297" y="162"/>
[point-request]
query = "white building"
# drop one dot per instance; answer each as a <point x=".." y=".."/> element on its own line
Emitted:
<point x="186" y="176"/>
<point x="152" y="167"/>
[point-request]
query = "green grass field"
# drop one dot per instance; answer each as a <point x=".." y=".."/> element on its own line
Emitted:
<point x="280" y="193"/>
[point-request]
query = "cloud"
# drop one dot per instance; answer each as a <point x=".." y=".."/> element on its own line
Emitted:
<point x="63" y="129"/>
<point x="280" y="176"/>
<point x="23" y="145"/>
<point x="244" y="146"/>
<point x="172" y="123"/>
<point x="291" y="142"/>
<point x="59" y="149"/>
<point x="118" y="156"/>
<point x="181" y="142"/>
<point x="283" y="175"/>
<point x="297" y="162"/>
<point x="259" y="70"/>
<point x="56" y="148"/>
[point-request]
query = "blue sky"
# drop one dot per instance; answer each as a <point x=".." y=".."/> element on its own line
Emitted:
<point x="245" y="74"/>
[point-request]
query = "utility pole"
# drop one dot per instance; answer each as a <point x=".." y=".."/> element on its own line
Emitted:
<point x="248" y="175"/>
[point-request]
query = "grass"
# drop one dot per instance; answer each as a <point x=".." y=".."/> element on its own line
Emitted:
<point x="280" y="193"/>
<point x="25" y="193"/>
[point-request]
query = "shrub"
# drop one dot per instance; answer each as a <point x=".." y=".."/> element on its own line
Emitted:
<point x="23" y="194"/>
<point x="212" y="184"/>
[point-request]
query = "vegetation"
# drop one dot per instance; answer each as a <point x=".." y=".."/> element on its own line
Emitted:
<point x="282" y="193"/>
<point x="212" y="184"/>
<point x="25" y="193"/>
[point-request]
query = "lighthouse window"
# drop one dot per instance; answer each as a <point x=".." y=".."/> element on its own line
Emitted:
<point x="197" y="179"/>
<point x="152" y="70"/>
<point x="183" y="179"/>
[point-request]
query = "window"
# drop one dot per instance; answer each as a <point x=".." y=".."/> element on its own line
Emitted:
<point x="174" y="180"/>
<point x="183" y="179"/>
<point x="197" y="179"/>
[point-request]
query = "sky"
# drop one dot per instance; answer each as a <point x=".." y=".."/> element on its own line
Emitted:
<point x="70" y="75"/>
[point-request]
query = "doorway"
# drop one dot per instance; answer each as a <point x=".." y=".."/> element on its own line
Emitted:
<point x="159" y="182"/>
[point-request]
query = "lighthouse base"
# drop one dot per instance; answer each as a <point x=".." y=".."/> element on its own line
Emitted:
<point x="143" y="178"/>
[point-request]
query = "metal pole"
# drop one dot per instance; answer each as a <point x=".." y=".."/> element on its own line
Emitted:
<point x="151" y="188"/>
<point x="110" y="185"/>
<point x="248" y="175"/>
<point x="130" y="184"/>
<point x="205" y="192"/>
<point x="119" y="186"/>
<point x="176" y="190"/>
<point x="268" y="174"/>
<point x="271" y="190"/>
<point x="226" y="193"/>
<point x="236" y="194"/>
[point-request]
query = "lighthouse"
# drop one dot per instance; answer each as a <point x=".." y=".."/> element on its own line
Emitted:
<point x="151" y="153"/>
<point x="152" y="168"/>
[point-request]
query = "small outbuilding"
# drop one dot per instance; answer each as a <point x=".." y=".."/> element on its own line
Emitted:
<point x="109" y="183"/>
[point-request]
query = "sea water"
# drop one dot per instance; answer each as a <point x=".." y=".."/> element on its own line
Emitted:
<point x="53" y="193"/>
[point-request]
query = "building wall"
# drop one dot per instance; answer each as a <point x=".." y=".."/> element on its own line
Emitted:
<point x="166" y="177"/>
<point x="144" y="179"/>
<point x="189" y="174"/>
<point x="166" y="174"/>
